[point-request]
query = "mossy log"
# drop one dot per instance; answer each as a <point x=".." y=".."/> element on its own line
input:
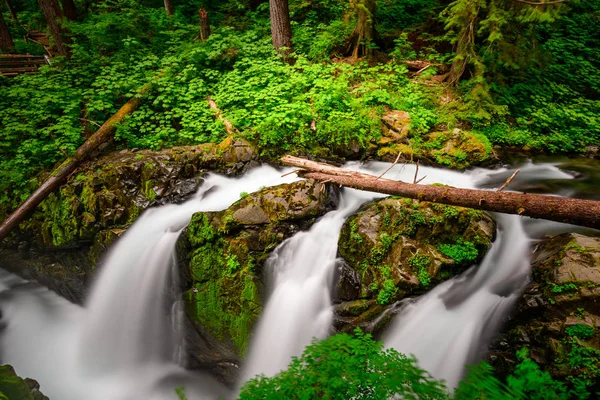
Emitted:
<point x="560" y="209"/>
<point x="66" y="168"/>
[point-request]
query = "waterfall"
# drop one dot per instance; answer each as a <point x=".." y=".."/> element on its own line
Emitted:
<point x="299" y="307"/>
<point x="446" y="328"/>
<point x="451" y="326"/>
<point x="122" y="344"/>
<point x="299" y="271"/>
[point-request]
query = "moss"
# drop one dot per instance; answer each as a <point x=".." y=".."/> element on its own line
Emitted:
<point x="225" y="297"/>
<point x="201" y="230"/>
<point x="60" y="223"/>
<point x="380" y="240"/>
<point x="462" y="251"/>
<point x="457" y="149"/>
<point x="148" y="190"/>
<point x="227" y="307"/>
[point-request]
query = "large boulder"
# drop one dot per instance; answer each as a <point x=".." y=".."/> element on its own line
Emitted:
<point x="226" y="251"/>
<point x="457" y="149"/>
<point x="72" y="228"/>
<point x="395" y="248"/>
<point x="558" y="317"/>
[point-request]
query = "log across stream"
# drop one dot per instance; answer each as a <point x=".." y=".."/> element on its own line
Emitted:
<point x="560" y="209"/>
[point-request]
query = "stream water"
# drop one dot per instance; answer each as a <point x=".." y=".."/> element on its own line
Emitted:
<point x="123" y="344"/>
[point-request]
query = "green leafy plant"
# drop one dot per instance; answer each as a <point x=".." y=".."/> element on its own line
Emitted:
<point x="580" y="331"/>
<point x="420" y="263"/>
<point x="461" y="251"/>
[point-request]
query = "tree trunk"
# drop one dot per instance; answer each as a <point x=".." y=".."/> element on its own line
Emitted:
<point x="169" y="7"/>
<point x="6" y="43"/>
<point x="204" y="24"/>
<point x="53" y="15"/>
<point x="60" y="174"/>
<point x="69" y="9"/>
<point x="359" y="44"/>
<point x="465" y="43"/>
<point x="281" y="30"/>
<point x="12" y="12"/>
<point x="560" y="209"/>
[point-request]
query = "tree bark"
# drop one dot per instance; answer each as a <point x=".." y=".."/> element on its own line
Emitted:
<point x="281" y="29"/>
<point x="53" y="15"/>
<point x="60" y="174"/>
<point x="560" y="209"/>
<point x="169" y="7"/>
<point x="204" y="24"/>
<point x="11" y="10"/>
<point x="69" y="9"/>
<point x="6" y="43"/>
<point x="364" y="31"/>
<point x="465" y="44"/>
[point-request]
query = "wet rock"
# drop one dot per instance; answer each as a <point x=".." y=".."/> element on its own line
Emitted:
<point x="100" y="202"/>
<point x="455" y="149"/>
<point x="226" y="252"/>
<point x="348" y="283"/>
<point x="558" y="318"/>
<point x="14" y="387"/>
<point x="398" y="247"/>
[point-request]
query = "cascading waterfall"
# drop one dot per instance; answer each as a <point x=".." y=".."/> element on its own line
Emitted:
<point x="451" y="326"/>
<point x="300" y="271"/>
<point x="446" y="328"/>
<point x="122" y="345"/>
<point x="299" y="307"/>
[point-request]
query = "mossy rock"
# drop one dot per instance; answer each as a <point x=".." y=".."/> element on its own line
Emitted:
<point x="227" y="250"/>
<point x="400" y="247"/>
<point x="558" y="317"/>
<point x="73" y="227"/>
<point x="13" y="387"/>
<point x="456" y="149"/>
<point x="113" y="191"/>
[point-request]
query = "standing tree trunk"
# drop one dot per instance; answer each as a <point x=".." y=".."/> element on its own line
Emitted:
<point x="6" y="43"/>
<point x="12" y="12"/>
<point x="204" y="24"/>
<point x="463" y="18"/>
<point x="169" y="7"/>
<point x="53" y="15"/>
<point x="69" y="9"/>
<point x="281" y="30"/>
<point x="364" y="31"/>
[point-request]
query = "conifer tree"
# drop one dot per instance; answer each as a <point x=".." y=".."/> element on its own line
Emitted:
<point x="281" y="29"/>
<point x="54" y="15"/>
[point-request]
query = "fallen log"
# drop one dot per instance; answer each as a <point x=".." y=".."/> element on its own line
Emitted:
<point x="60" y="174"/>
<point x="218" y="115"/>
<point x="572" y="211"/>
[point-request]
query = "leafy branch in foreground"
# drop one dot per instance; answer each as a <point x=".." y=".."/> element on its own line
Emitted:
<point x="357" y="367"/>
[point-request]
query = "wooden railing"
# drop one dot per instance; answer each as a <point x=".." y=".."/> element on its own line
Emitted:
<point x="16" y="64"/>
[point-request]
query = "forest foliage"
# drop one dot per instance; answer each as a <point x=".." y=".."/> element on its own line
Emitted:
<point x="529" y="77"/>
<point x="519" y="74"/>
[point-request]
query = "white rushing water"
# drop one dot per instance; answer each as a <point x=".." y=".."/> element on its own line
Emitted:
<point x="123" y="345"/>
